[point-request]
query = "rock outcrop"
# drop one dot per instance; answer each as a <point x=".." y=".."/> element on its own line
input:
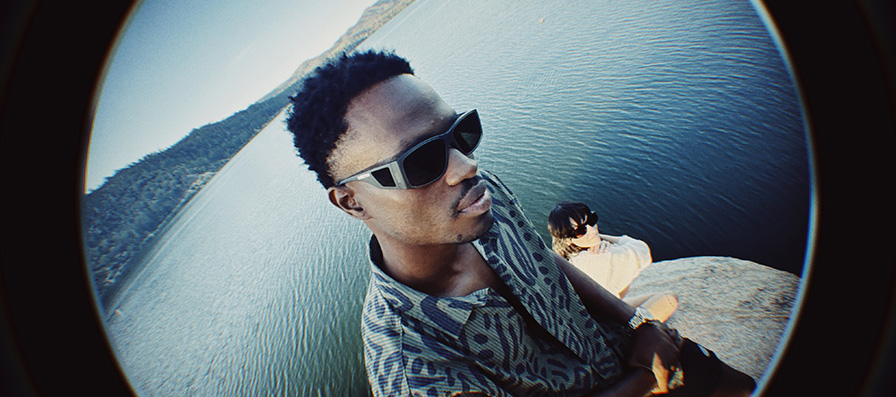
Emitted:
<point x="736" y="308"/>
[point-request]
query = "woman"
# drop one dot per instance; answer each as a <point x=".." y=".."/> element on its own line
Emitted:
<point x="611" y="261"/>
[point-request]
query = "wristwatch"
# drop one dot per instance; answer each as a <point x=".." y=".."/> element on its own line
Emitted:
<point x="641" y="316"/>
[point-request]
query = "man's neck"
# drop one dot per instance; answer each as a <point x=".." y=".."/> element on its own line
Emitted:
<point x="438" y="270"/>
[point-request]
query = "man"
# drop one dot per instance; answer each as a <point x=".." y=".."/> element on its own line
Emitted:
<point x="464" y="296"/>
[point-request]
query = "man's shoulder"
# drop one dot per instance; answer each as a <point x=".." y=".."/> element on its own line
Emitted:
<point x="493" y="180"/>
<point x="375" y="304"/>
<point x="382" y="339"/>
<point x="502" y="196"/>
<point x="380" y="323"/>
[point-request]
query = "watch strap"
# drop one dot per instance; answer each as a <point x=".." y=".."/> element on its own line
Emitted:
<point x="641" y="316"/>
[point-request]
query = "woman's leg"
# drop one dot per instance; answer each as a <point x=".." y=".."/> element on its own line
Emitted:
<point x="661" y="304"/>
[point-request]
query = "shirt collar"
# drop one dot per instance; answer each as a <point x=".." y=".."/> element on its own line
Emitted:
<point x="448" y="314"/>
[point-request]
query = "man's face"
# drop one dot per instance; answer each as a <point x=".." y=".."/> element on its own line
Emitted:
<point x="384" y="122"/>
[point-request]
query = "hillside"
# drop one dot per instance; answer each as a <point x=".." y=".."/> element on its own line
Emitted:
<point x="121" y="217"/>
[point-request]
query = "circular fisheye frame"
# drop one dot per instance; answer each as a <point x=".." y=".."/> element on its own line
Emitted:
<point x="55" y="336"/>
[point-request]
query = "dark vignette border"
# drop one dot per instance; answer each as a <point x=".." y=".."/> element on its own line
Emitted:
<point x="51" y="340"/>
<point x="842" y="54"/>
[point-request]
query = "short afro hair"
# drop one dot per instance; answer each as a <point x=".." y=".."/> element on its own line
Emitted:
<point x="317" y="116"/>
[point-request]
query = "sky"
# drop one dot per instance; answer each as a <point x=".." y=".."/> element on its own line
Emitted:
<point x="182" y="64"/>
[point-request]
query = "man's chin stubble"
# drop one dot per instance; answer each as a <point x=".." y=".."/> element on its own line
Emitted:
<point x="461" y="239"/>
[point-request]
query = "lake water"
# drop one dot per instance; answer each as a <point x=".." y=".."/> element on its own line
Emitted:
<point x="677" y="121"/>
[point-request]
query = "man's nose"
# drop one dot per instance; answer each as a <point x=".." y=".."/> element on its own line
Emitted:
<point x="460" y="167"/>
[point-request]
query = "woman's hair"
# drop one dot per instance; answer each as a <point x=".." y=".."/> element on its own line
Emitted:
<point x="562" y="230"/>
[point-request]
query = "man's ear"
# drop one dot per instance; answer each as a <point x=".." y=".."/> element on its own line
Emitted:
<point x="343" y="197"/>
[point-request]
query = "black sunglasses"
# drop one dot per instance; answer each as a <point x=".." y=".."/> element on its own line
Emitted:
<point x="427" y="161"/>
<point x="580" y="230"/>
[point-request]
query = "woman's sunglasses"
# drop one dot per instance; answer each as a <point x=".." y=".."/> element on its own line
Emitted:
<point x="427" y="161"/>
<point x="580" y="230"/>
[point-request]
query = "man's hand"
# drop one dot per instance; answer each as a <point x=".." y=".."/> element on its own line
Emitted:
<point x="657" y="348"/>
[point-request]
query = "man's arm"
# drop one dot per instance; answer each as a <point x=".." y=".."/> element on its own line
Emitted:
<point x="600" y="303"/>
<point x="637" y="382"/>
<point x="652" y="347"/>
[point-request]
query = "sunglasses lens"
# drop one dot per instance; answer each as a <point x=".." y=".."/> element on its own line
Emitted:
<point x="582" y="228"/>
<point x="384" y="177"/>
<point x="592" y="219"/>
<point x="426" y="164"/>
<point x="468" y="132"/>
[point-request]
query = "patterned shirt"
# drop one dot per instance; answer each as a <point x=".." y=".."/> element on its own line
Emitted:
<point x="419" y="344"/>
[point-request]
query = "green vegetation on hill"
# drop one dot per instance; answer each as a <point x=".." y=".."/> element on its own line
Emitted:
<point x="123" y="215"/>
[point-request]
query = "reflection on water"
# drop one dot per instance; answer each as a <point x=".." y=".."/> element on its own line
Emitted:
<point x="243" y="295"/>
<point x="676" y="121"/>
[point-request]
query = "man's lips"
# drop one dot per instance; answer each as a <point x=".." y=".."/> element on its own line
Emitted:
<point x="475" y="198"/>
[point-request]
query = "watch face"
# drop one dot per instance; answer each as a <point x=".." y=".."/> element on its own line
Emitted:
<point x="636" y="319"/>
<point x="641" y="316"/>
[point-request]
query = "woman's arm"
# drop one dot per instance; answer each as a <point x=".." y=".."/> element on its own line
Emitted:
<point x="639" y="250"/>
<point x="612" y="239"/>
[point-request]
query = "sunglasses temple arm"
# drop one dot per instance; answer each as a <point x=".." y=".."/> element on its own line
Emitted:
<point x="397" y="176"/>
